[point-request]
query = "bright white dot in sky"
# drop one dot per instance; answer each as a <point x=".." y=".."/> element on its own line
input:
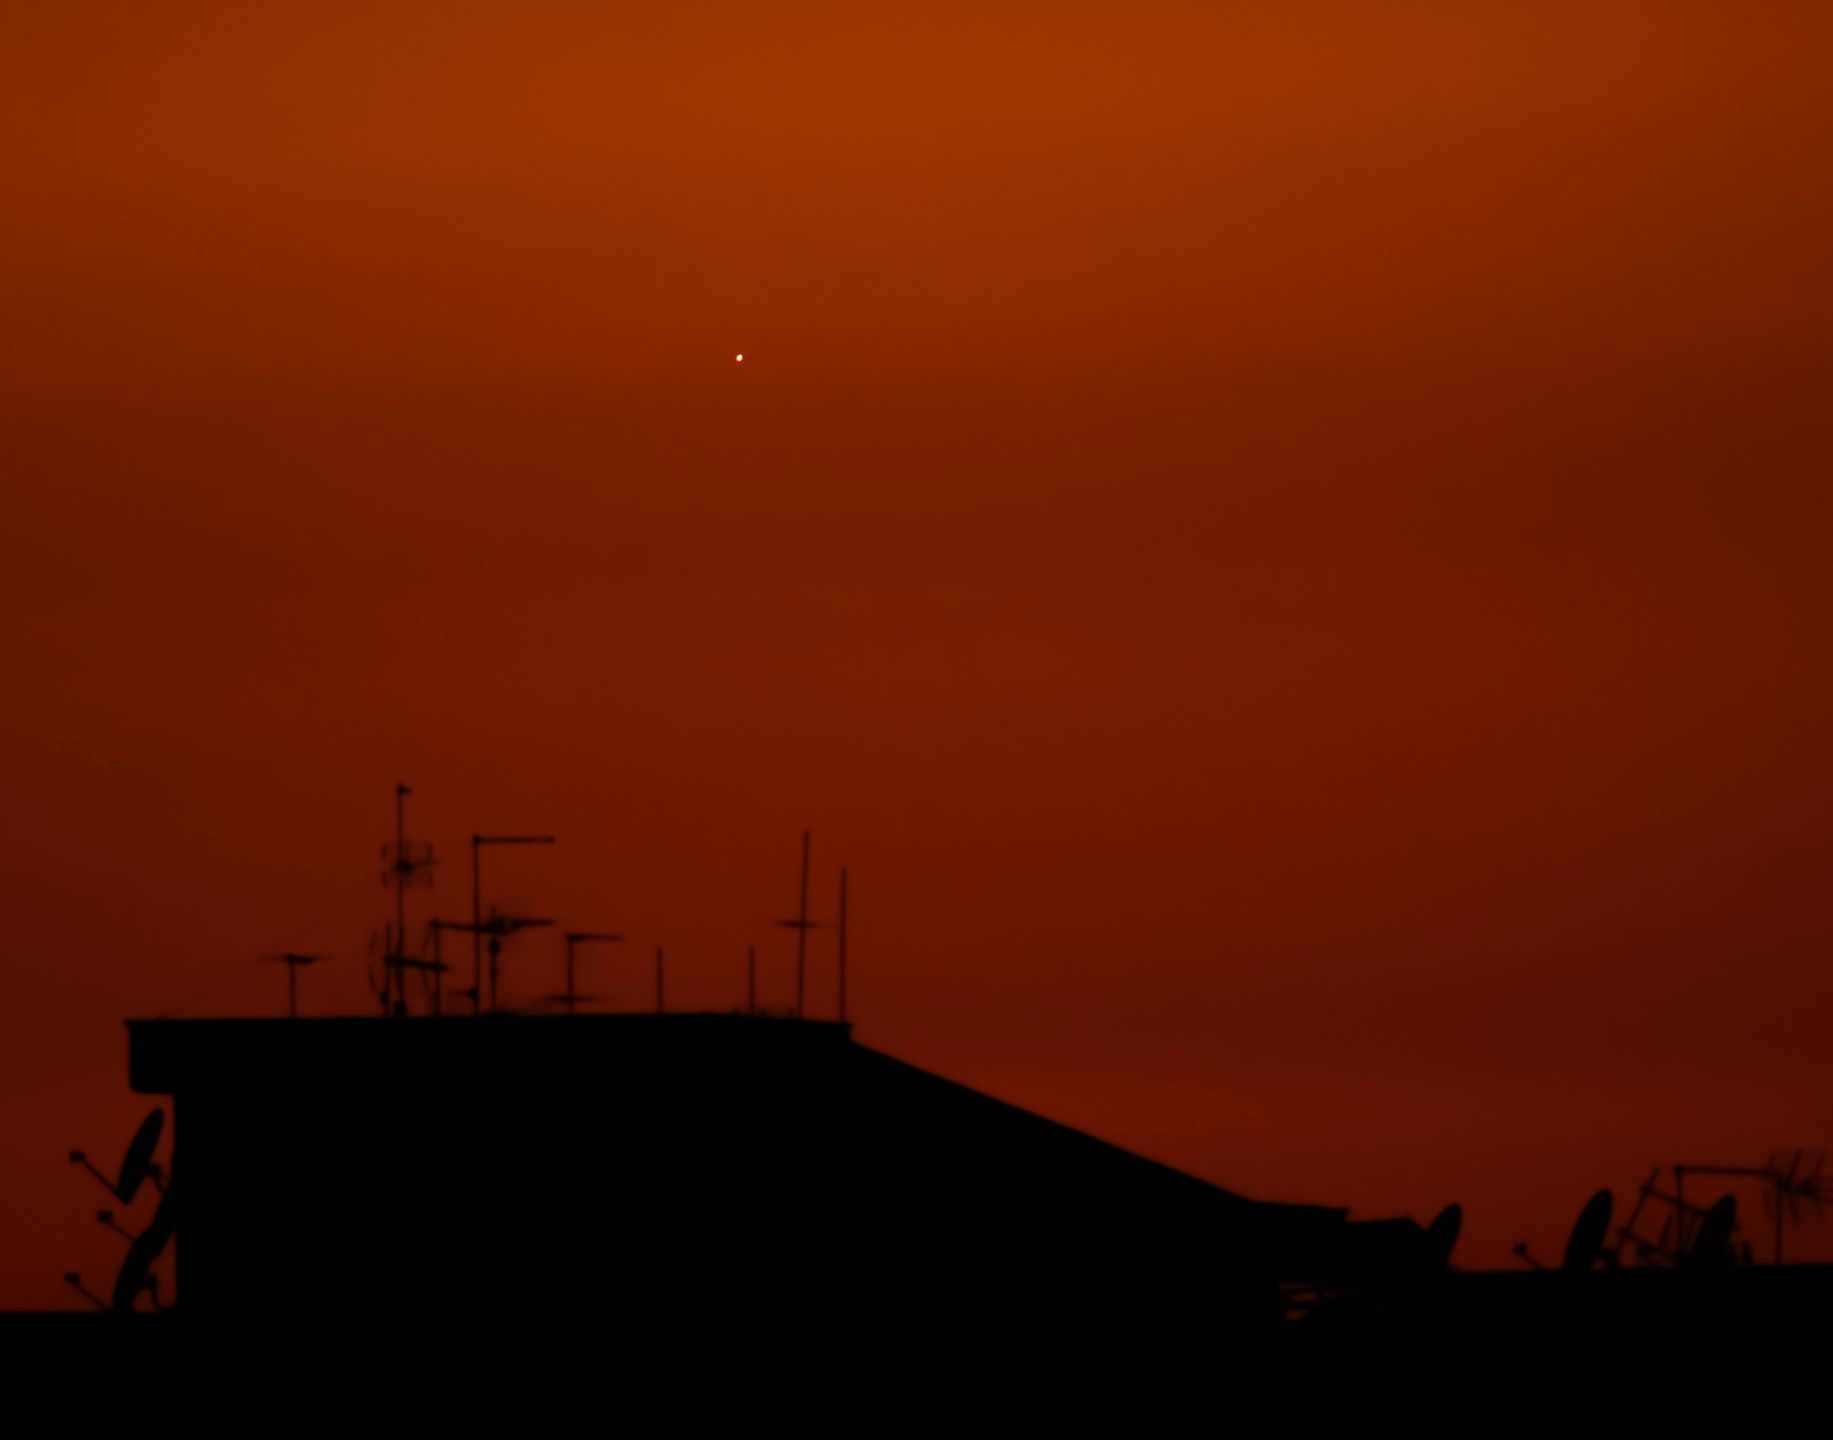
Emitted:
<point x="739" y="358"/>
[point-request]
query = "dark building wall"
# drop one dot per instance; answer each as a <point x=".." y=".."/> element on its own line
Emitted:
<point x="703" y="1168"/>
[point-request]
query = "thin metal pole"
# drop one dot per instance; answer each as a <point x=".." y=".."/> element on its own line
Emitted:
<point x="843" y="943"/>
<point x="495" y="947"/>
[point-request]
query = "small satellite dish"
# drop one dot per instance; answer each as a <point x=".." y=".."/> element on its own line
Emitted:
<point x="137" y="1164"/>
<point x="136" y="1270"/>
<point x="1585" y="1245"/>
<point x="1712" y="1244"/>
<point x="1442" y="1233"/>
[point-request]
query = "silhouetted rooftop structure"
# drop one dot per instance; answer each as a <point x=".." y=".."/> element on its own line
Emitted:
<point x="543" y="1165"/>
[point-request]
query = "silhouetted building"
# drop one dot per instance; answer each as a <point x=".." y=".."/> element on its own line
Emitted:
<point x="704" y="1169"/>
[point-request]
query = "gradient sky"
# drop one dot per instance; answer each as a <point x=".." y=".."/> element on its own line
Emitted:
<point x="1285" y="544"/>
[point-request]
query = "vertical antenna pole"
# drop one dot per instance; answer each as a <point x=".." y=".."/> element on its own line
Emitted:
<point x="658" y="979"/>
<point x="495" y="947"/>
<point x="843" y="944"/>
<point x="802" y="931"/>
<point x="751" y="979"/>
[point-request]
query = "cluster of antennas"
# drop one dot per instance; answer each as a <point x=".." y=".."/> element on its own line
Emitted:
<point x="400" y="975"/>
<point x="1667" y="1228"/>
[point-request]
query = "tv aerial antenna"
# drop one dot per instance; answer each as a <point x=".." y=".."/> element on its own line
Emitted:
<point x="407" y="866"/>
<point x="574" y="939"/>
<point x="478" y="842"/>
<point x="437" y="967"/>
<point x="1690" y="1233"/>
<point x="801" y="925"/>
<point x="293" y="963"/>
<point x="1793" y="1185"/>
<point x="496" y="930"/>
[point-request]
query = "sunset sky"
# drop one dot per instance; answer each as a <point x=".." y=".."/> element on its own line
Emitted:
<point x="1285" y="544"/>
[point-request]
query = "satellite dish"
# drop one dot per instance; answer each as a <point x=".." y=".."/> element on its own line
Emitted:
<point x="1442" y="1233"/>
<point x="137" y="1268"/>
<point x="1586" y="1243"/>
<point x="136" y="1166"/>
<point x="1712" y="1245"/>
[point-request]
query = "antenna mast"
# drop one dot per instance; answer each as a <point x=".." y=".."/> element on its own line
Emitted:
<point x="801" y="925"/>
<point x="292" y="963"/>
<point x="477" y="911"/>
<point x="574" y="938"/>
<point x="408" y="866"/>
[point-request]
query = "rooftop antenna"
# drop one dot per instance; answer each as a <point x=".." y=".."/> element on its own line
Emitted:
<point x="399" y="964"/>
<point x="437" y="928"/>
<point x="292" y="963"/>
<point x="801" y="925"/>
<point x="1788" y="1182"/>
<point x="391" y="988"/>
<point x="843" y="945"/>
<point x="1802" y="1183"/>
<point x="137" y="1165"/>
<point x="1679" y="1240"/>
<point x="1626" y="1233"/>
<point x="407" y="866"/>
<point x="499" y="928"/>
<point x="477" y="911"/>
<point x="434" y="929"/>
<point x="575" y="938"/>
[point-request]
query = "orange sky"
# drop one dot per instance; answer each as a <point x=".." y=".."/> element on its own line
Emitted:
<point x="1285" y="544"/>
